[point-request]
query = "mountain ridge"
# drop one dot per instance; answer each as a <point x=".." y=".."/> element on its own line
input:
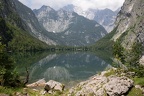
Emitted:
<point x="70" y="28"/>
<point x="17" y="29"/>
<point x="105" y="17"/>
<point x="126" y="39"/>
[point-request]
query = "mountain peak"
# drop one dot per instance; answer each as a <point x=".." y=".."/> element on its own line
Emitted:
<point x="104" y="17"/>
<point x="69" y="7"/>
<point x="46" y="8"/>
<point x="70" y="28"/>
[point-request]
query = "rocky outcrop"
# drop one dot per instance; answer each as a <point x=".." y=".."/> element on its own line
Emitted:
<point x="141" y="61"/>
<point x="118" y="85"/>
<point x="101" y="85"/>
<point x="54" y="86"/>
<point x="39" y="83"/>
<point x="130" y="23"/>
<point x="49" y="87"/>
<point x="140" y="87"/>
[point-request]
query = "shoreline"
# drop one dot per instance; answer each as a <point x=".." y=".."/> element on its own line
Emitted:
<point x="101" y="82"/>
<point x="107" y="83"/>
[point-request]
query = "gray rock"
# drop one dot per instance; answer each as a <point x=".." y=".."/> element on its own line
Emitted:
<point x="39" y="83"/>
<point x="118" y="85"/>
<point x="100" y="85"/>
<point x="139" y="87"/>
<point x="141" y="61"/>
<point x="55" y="86"/>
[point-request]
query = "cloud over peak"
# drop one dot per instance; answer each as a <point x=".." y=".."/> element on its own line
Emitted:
<point x="84" y="4"/>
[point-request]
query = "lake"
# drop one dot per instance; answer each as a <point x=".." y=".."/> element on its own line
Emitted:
<point x="68" y="68"/>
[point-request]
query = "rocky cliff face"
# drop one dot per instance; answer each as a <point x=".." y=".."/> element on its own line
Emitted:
<point x="130" y="23"/>
<point x="70" y="28"/>
<point x="32" y="23"/>
<point x="127" y="37"/>
<point x="52" y="20"/>
<point x="104" y="17"/>
<point x="15" y="32"/>
<point x="9" y="13"/>
<point x="23" y="17"/>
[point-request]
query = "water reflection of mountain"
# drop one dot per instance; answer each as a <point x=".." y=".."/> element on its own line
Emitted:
<point x="67" y="67"/>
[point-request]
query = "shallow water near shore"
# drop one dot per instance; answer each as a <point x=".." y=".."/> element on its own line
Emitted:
<point x="67" y="68"/>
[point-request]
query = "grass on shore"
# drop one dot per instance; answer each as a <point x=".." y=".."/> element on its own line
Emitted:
<point x="23" y="91"/>
<point x="135" y="92"/>
<point x="139" y="81"/>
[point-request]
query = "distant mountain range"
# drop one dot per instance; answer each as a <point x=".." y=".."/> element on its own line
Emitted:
<point x="47" y="26"/>
<point x="70" y="28"/>
<point x="104" y="17"/>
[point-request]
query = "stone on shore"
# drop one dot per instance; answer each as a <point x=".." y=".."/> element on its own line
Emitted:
<point x="141" y="61"/>
<point x="101" y="85"/>
<point x="118" y="85"/>
<point x="54" y="86"/>
<point x="39" y="83"/>
<point x="49" y="87"/>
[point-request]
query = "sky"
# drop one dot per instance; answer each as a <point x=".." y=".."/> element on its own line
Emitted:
<point x="84" y="4"/>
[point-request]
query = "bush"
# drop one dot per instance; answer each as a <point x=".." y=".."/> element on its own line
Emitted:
<point x="8" y="75"/>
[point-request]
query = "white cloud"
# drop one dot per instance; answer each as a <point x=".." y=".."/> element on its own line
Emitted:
<point x="85" y="4"/>
<point x="100" y="4"/>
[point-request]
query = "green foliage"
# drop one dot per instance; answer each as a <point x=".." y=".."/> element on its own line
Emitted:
<point x="135" y="53"/>
<point x="139" y="70"/>
<point x="106" y="42"/>
<point x="116" y="72"/>
<point x="22" y="92"/>
<point x="8" y="75"/>
<point x="91" y="94"/>
<point x="109" y="73"/>
<point x="17" y="39"/>
<point x="10" y="91"/>
<point x="139" y="81"/>
<point x="5" y="32"/>
<point x="135" y="92"/>
<point x="130" y="57"/>
<point x="22" y="41"/>
<point x="106" y="55"/>
<point x="118" y="51"/>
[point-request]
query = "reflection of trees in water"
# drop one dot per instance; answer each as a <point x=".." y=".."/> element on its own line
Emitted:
<point x="67" y="67"/>
<point x="57" y="73"/>
<point x="47" y="59"/>
<point x="37" y="70"/>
